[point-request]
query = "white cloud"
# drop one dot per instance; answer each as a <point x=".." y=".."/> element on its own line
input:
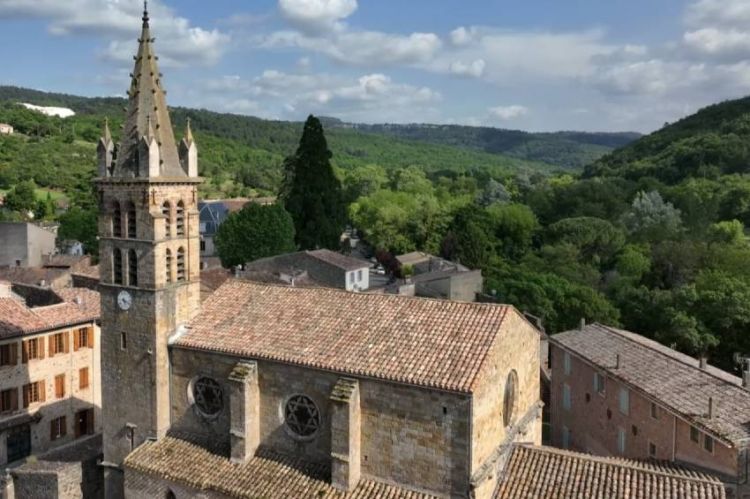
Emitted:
<point x="474" y="69"/>
<point x="718" y="12"/>
<point x="463" y="36"/>
<point x="370" y="97"/>
<point x="507" y="113"/>
<point x="316" y="15"/>
<point x="179" y="42"/>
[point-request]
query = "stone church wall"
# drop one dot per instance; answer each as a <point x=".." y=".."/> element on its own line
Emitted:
<point x="412" y="436"/>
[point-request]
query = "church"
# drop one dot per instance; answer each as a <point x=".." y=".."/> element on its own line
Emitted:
<point x="271" y="391"/>
<point x="293" y="390"/>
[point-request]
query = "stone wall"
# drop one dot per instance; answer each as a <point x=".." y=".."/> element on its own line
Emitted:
<point x="516" y="351"/>
<point x="410" y="436"/>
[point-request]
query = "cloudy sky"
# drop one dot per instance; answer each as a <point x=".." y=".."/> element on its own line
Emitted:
<point x="534" y="65"/>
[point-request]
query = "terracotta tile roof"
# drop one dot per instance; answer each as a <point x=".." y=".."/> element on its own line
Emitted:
<point x="211" y="280"/>
<point x="268" y="474"/>
<point x="88" y="271"/>
<point x="673" y="379"/>
<point x="534" y="472"/>
<point x="433" y="343"/>
<point x="338" y="260"/>
<point x="35" y="275"/>
<point x="17" y="319"/>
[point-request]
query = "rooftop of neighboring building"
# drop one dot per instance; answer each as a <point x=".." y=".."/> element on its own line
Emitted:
<point x="376" y="335"/>
<point x="211" y="280"/>
<point x="547" y="472"/>
<point x="425" y="263"/>
<point x="339" y="260"/>
<point x="213" y="212"/>
<point x="283" y="476"/>
<point x="36" y="276"/>
<point x="673" y="379"/>
<point x="75" y="306"/>
<point x="66" y="261"/>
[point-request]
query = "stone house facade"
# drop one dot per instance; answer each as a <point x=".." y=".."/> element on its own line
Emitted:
<point x="614" y="393"/>
<point x="24" y="244"/>
<point x="6" y="129"/>
<point x="50" y="394"/>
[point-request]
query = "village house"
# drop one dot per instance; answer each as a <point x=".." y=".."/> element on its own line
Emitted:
<point x="24" y="244"/>
<point x="322" y="267"/>
<point x="436" y="277"/>
<point x="50" y="393"/>
<point x="6" y="129"/>
<point x="615" y="393"/>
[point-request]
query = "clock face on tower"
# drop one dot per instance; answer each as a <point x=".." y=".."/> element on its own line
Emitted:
<point x="124" y="300"/>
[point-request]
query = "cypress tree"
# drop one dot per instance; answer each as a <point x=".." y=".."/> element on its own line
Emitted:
<point x="312" y="193"/>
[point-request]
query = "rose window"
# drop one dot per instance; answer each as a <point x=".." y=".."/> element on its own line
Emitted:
<point x="302" y="415"/>
<point x="208" y="396"/>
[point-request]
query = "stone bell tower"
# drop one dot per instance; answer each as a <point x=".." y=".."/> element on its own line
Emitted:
<point x="149" y="261"/>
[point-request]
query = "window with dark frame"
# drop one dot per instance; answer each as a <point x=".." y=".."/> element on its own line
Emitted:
<point x="131" y="221"/>
<point x="84" y="422"/>
<point x="123" y="341"/>
<point x="9" y="354"/>
<point x="132" y="268"/>
<point x="58" y="428"/>
<point x="117" y="266"/>
<point x="33" y="393"/>
<point x="708" y="443"/>
<point x="181" y="264"/>
<point x="84" y="338"/>
<point x="168" y="269"/>
<point x="116" y="220"/>
<point x="32" y="349"/>
<point x="180" y="218"/>
<point x="695" y="434"/>
<point x="166" y="210"/>
<point x="654" y="411"/>
<point x="9" y="400"/>
<point x="58" y="343"/>
<point x="651" y="450"/>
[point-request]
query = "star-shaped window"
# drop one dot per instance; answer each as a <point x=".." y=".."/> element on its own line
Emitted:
<point x="208" y="396"/>
<point x="302" y="415"/>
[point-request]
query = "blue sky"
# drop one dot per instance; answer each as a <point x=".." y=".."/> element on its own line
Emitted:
<point x="533" y="65"/>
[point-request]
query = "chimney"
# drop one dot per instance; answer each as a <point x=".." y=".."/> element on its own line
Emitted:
<point x="703" y="361"/>
<point x="582" y="324"/>
<point x="77" y="300"/>
<point x="617" y="363"/>
<point x="710" y="407"/>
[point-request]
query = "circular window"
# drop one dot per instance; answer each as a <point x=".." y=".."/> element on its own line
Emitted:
<point x="509" y="401"/>
<point x="207" y="396"/>
<point x="302" y="416"/>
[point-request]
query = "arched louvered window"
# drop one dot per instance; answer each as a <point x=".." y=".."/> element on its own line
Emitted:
<point x="181" y="264"/>
<point x="117" y="266"/>
<point x="180" y="218"/>
<point x="132" y="268"/>
<point x="131" y="221"/>
<point x="168" y="263"/>
<point x="116" y="220"/>
<point x="166" y="210"/>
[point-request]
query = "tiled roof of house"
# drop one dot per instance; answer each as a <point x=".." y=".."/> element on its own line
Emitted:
<point x="35" y="275"/>
<point x="434" y="343"/>
<point x="268" y="474"/>
<point x="534" y="472"/>
<point x="338" y="260"/>
<point x="80" y="305"/>
<point x="211" y="280"/>
<point x="674" y="380"/>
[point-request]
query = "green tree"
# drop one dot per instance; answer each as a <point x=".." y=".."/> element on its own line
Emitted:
<point x="651" y="218"/>
<point x="22" y="197"/>
<point x="256" y="231"/>
<point x="469" y="239"/>
<point x="78" y="224"/>
<point x="314" y="198"/>
<point x="514" y="226"/>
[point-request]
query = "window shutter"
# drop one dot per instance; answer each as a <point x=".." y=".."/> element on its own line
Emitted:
<point x="41" y="347"/>
<point x="90" y="422"/>
<point x="66" y="341"/>
<point x="76" y="342"/>
<point x="63" y="426"/>
<point x="13" y="354"/>
<point x="14" y="399"/>
<point x="52" y="344"/>
<point x="42" y="391"/>
<point x="90" y="333"/>
<point x="24" y="351"/>
<point x="26" y="389"/>
<point x="52" y="429"/>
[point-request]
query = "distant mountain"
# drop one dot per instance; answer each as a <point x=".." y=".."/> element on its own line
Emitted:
<point x="712" y="142"/>
<point x="561" y="150"/>
<point x="567" y="150"/>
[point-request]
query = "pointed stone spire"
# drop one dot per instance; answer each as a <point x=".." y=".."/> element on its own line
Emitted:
<point x="188" y="132"/>
<point x="189" y="152"/>
<point x="105" y="151"/>
<point x="147" y="115"/>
